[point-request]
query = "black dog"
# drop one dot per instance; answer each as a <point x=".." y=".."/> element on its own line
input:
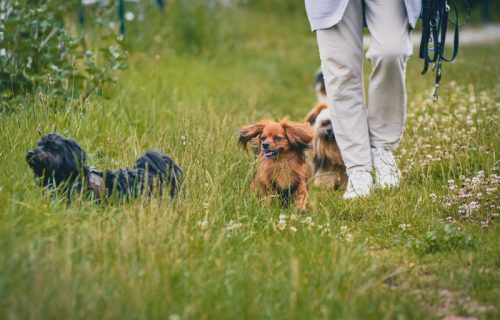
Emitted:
<point x="61" y="163"/>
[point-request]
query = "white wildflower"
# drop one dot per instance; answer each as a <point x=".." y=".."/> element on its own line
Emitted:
<point x="467" y="209"/>
<point x="404" y="226"/>
<point x="281" y="225"/>
<point x="308" y="221"/>
<point x="490" y="190"/>
<point x="231" y="226"/>
<point x="485" y="224"/>
<point x="203" y="225"/>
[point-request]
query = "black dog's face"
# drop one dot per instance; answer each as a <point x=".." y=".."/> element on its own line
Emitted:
<point x="57" y="159"/>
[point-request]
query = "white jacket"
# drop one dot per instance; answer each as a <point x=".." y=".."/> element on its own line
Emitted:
<point x="323" y="14"/>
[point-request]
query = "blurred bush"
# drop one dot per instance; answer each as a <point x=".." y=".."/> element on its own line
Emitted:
<point x="37" y="52"/>
<point x="278" y="6"/>
<point x="194" y="26"/>
<point x="183" y="27"/>
<point x="485" y="11"/>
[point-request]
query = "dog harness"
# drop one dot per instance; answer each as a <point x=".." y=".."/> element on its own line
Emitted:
<point x="95" y="183"/>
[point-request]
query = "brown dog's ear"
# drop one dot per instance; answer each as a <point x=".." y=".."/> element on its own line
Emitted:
<point x="249" y="132"/>
<point x="299" y="135"/>
<point x="311" y="117"/>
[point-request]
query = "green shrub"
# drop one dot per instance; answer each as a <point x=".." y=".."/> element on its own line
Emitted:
<point x="38" y="53"/>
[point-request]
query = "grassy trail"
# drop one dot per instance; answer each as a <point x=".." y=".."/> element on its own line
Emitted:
<point x="415" y="252"/>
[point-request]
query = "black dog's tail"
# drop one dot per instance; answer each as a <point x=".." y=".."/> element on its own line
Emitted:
<point x="162" y="166"/>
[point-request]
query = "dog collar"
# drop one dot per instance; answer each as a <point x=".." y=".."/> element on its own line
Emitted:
<point x="95" y="183"/>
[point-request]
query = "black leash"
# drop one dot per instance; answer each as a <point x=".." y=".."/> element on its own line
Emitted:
<point x="435" y="19"/>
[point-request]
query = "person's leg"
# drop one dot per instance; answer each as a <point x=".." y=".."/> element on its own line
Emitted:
<point x="341" y="53"/>
<point x="389" y="50"/>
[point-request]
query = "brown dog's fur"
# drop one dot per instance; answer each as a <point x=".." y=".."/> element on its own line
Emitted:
<point x="282" y="169"/>
<point x="329" y="168"/>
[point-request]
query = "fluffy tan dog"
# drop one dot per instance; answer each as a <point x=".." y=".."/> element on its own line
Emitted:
<point x="282" y="171"/>
<point x="329" y="168"/>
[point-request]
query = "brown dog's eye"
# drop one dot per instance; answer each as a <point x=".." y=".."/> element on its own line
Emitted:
<point x="278" y="138"/>
<point x="262" y="138"/>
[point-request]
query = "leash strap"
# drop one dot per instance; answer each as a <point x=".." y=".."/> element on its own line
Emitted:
<point x="435" y="19"/>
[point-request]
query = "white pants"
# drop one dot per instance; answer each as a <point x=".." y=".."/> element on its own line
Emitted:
<point x="341" y="52"/>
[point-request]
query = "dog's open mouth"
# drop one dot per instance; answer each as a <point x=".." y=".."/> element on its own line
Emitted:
<point x="329" y="137"/>
<point x="271" y="154"/>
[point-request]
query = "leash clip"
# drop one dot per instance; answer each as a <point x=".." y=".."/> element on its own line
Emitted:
<point x="435" y="96"/>
<point x="437" y="67"/>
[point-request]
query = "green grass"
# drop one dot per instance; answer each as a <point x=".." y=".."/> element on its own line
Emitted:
<point x="397" y="254"/>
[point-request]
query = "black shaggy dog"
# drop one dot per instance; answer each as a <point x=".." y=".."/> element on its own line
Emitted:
<point x="61" y="163"/>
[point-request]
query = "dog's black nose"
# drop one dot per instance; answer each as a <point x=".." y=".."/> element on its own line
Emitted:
<point x="30" y="155"/>
<point x="329" y="131"/>
<point x="265" y="145"/>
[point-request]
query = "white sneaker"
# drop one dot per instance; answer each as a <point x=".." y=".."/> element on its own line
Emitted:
<point x="387" y="173"/>
<point x="360" y="184"/>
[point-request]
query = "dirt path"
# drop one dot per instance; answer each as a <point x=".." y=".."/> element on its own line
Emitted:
<point x="489" y="33"/>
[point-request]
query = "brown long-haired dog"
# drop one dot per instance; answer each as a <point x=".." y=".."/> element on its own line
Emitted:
<point x="282" y="170"/>
<point x="329" y="168"/>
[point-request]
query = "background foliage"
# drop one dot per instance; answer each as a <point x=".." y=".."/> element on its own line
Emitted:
<point x="40" y="54"/>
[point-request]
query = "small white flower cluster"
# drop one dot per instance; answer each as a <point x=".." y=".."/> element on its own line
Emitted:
<point x="467" y="209"/>
<point x="183" y="140"/>
<point x="324" y="228"/>
<point x="473" y="197"/>
<point x="282" y="222"/>
<point x="232" y="226"/>
<point x="203" y="225"/>
<point x="405" y="226"/>
<point x="344" y="234"/>
<point x="308" y="222"/>
<point x="440" y="132"/>
<point x="287" y="223"/>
